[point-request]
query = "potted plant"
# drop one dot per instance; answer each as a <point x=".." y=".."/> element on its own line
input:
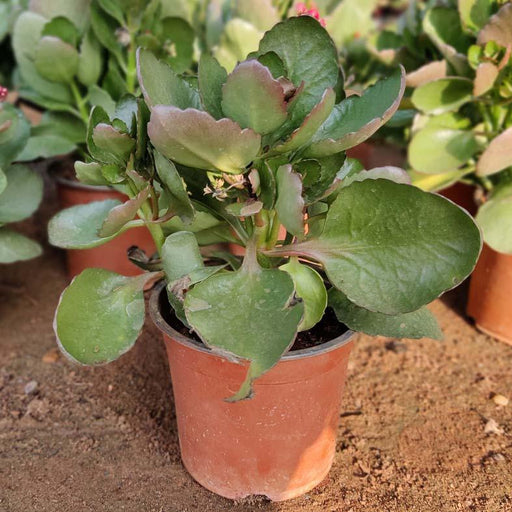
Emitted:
<point x="258" y="148"/>
<point x="461" y="135"/>
<point x="21" y="189"/>
<point x="74" y="55"/>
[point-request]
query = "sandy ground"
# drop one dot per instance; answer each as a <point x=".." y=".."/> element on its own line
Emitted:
<point x="419" y="430"/>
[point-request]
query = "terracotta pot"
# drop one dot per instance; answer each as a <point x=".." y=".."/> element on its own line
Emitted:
<point x="376" y="154"/>
<point x="490" y="300"/>
<point x="281" y="442"/>
<point x="462" y="195"/>
<point x="112" y="255"/>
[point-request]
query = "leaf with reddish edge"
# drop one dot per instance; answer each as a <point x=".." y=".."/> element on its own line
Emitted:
<point x="497" y="156"/>
<point x="399" y="252"/>
<point x="217" y="310"/>
<point x="116" y="146"/>
<point x="120" y="215"/>
<point x="356" y="118"/>
<point x="312" y="122"/>
<point x="427" y="73"/>
<point x="196" y="139"/>
<point x="253" y="98"/>
<point x="388" y="172"/>
<point x="290" y="203"/>
<point x="486" y="74"/>
<point x="499" y="28"/>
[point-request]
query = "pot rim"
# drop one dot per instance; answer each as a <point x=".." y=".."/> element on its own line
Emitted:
<point x="162" y="324"/>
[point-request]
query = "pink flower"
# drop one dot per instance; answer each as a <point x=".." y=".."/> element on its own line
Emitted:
<point x="3" y="93"/>
<point x="302" y="10"/>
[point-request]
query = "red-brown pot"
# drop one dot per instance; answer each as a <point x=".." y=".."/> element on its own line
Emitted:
<point x="281" y="442"/>
<point x="463" y="195"/>
<point x="112" y="255"/>
<point x="376" y="154"/>
<point x="490" y="294"/>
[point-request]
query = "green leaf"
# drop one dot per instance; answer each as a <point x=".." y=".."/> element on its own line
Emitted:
<point x="90" y="60"/>
<point x="443" y="95"/>
<point x="310" y="287"/>
<point x="56" y="60"/>
<point x="497" y="155"/>
<point x="196" y="139"/>
<point x="309" y="56"/>
<point x="46" y="146"/>
<point x="253" y="98"/>
<point x="179" y="43"/>
<point x="22" y="195"/>
<point x="436" y="150"/>
<point x="98" y="116"/>
<point x="78" y="227"/>
<point x="238" y="40"/>
<point x="358" y="117"/>
<point x="260" y="13"/>
<point x="99" y="97"/>
<point x="486" y="75"/>
<point x="499" y="28"/>
<point x="76" y="11"/>
<point x="427" y="73"/>
<point x="290" y="204"/>
<point x="89" y="173"/>
<point x="13" y="135"/>
<point x="17" y="247"/>
<point x="180" y="255"/>
<point x="417" y="324"/>
<point x="118" y="146"/>
<point x="495" y="219"/>
<point x="3" y="181"/>
<point x="174" y="189"/>
<point x="392" y="248"/>
<point x="387" y="173"/>
<point x="113" y="8"/>
<point x="475" y="13"/>
<point x="105" y="28"/>
<point x="248" y="313"/>
<point x="160" y="85"/>
<point x="312" y="122"/>
<point x="100" y="315"/>
<point x="63" y="29"/>
<point x="61" y="124"/>
<point x="212" y="76"/>
<point x="436" y="182"/>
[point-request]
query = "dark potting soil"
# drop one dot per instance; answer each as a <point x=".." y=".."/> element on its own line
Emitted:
<point x="326" y="330"/>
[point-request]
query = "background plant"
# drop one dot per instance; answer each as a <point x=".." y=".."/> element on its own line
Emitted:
<point x="260" y="147"/>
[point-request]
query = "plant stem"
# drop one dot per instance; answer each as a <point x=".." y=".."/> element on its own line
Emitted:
<point x="80" y="102"/>
<point x="131" y="70"/>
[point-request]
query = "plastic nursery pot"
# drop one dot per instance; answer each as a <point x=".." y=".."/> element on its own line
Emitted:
<point x="490" y="302"/>
<point x="281" y="442"/>
<point x="462" y="195"/>
<point x="113" y="254"/>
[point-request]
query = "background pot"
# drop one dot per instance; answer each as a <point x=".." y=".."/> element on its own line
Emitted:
<point x="112" y="255"/>
<point x="378" y="154"/>
<point x="490" y="300"/>
<point x="462" y="195"/>
<point x="281" y="442"/>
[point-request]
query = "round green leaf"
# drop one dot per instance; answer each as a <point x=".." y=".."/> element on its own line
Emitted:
<point x="179" y="42"/>
<point x="90" y="61"/>
<point x="17" y="247"/>
<point x="495" y="219"/>
<point x="497" y="156"/>
<point x="14" y="133"/>
<point x="100" y="316"/>
<point x="78" y="227"/>
<point x="211" y="77"/>
<point x="499" y="28"/>
<point x="443" y="95"/>
<point x="22" y="195"/>
<point x="56" y="60"/>
<point x="310" y="287"/>
<point x="437" y="150"/>
<point x="290" y="204"/>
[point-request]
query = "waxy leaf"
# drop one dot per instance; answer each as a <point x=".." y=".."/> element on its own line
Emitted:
<point x="310" y="287"/>
<point x="499" y="28"/>
<point x="120" y="215"/>
<point x="160" y="85"/>
<point x="56" y="60"/>
<point x="78" y="227"/>
<point x="486" y="75"/>
<point x="100" y="315"/>
<point x="312" y="122"/>
<point x="63" y="29"/>
<point x="17" y="247"/>
<point x="196" y="139"/>
<point x="436" y="149"/>
<point x="77" y="11"/>
<point x="417" y="324"/>
<point x="309" y="56"/>
<point x="495" y="219"/>
<point x="261" y="13"/>
<point x="180" y="255"/>
<point x="358" y="117"/>
<point x="89" y="173"/>
<point x="118" y="146"/>
<point x="427" y="73"/>
<point x="443" y="95"/>
<point x="497" y="156"/>
<point x="387" y="173"/>
<point x="211" y="77"/>
<point x="175" y="191"/>
<point x="399" y="252"/>
<point x="90" y="60"/>
<point x="3" y="181"/>
<point x="290" y="204"/>
<point x="14" y="133"/>
<point x="22" y="195"/>
<point x="181" y="36"/>
<point x="249" y="313"/>
<point x="475" y="13"/>
<point x="253" y="98"/>
<point x="45" y="146"/>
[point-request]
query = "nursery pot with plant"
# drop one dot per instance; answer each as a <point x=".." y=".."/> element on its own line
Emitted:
<point x="258" y="347"/>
